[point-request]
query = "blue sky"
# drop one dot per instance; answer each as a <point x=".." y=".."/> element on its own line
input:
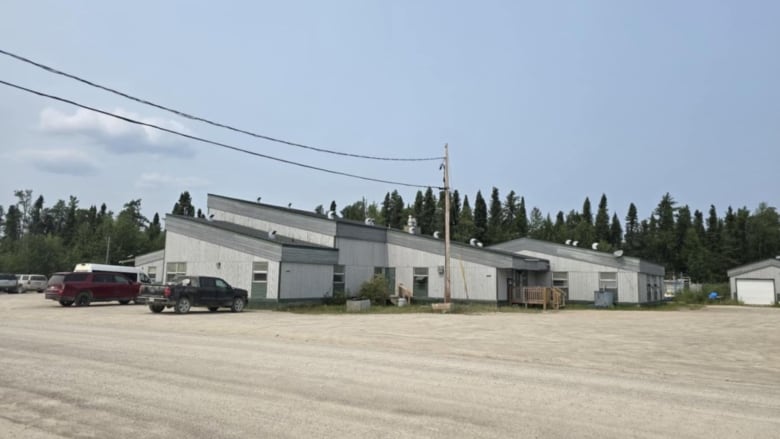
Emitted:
<point x="556" y="100"/>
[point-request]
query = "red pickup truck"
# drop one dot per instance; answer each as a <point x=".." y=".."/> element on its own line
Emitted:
<point x="82" y="288"/>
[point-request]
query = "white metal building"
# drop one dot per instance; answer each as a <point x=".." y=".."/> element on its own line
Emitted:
<point x="756" y="283"/>
<point x="152" y="264"/>
<point x="581" y="271"/>
<point x="281" y="254"/>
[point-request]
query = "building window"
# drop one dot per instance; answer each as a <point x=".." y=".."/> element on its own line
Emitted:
<point x="420" y="282"/>
<point x="152" y="273"/>
<point x="560" y="280"/>
<point x="339" y="279"/>
<point x="259" y="280"/>
<point x="608" y="282"/>
<point x="174" y="269"/>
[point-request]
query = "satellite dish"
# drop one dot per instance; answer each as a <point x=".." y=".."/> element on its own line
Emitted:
<point x="595" y="246"/>
<point x="568" y="242"/>
<point x="272" y="234"/>
<point x="479" y="244"/>
<point x="575" y="243"/>
<point x="436" y="234"/>
<point x="412" y="230"/>
<point x="331" y="214"/>
<point x="211" y="217"/>
<point x="473" y="242"/>
<point x="289" y="205"/>
<point x="369" y="221"/>
<point x="259" y="198"/>
<point x="618" y="253"/>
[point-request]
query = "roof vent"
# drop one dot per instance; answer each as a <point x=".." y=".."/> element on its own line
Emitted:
<point x="369" y="221"/>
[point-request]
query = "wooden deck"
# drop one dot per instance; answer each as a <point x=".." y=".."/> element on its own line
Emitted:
<point x="545" y="296"/>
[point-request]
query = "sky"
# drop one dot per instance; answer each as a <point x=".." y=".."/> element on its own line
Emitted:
<point x="555" y="100"/>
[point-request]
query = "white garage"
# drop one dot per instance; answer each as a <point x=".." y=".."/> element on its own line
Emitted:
<point x="756" y="283"/>
<point x="756" y="291"/>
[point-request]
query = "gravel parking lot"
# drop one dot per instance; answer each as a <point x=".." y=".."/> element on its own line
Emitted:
<point x="112" y="371"/>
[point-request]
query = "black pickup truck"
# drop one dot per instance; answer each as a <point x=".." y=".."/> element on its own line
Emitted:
<point x="188" y="291"/>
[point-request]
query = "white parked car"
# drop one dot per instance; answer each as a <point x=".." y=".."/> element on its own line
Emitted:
<point x="31" y="282"/>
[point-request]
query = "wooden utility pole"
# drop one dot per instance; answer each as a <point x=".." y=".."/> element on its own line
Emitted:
<point x="447" y="285"/>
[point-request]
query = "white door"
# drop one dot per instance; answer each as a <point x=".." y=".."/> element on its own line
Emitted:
<point x="756" y="291"/>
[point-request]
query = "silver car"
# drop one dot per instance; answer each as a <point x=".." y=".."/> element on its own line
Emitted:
<point x="8" y="283"/>
<point x="31" y="282"/>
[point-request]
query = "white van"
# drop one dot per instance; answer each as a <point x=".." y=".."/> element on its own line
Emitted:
<point x="133" y="273"/>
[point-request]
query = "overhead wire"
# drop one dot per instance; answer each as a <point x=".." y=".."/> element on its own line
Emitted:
<point x="204" y="140"/>
<point x="207" y="121"/>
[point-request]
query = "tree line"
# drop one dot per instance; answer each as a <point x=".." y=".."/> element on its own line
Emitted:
<point x="685" y="242"/>
<point x="36" y="238"/>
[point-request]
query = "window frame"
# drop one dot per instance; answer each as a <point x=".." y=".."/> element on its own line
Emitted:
<point x="260" y="285"/>
<point x="420" y="281"/>
<point x="172" y="270"/>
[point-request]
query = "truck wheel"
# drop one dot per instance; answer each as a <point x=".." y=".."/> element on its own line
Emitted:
<point x="66" y="303"/>
<point x="238" y="305"/>
<point x="213" y="308"/>
<point x="156" y="308"/>
<point x="124" y="302"/>
<point x="83" y="299"/>
<point x="182" y="305"/>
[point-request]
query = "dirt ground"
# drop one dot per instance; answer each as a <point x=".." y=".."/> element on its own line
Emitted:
<point x="112" y="371"/>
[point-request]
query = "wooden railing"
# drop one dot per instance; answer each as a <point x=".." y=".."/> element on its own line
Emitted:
<point x="545" y="296"/>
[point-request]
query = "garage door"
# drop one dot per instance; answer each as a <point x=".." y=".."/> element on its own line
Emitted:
<point x="756" y="291"/>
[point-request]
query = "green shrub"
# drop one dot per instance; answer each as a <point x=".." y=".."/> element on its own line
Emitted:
<point x="338" y="298"/>
<point x="376" y="290"/>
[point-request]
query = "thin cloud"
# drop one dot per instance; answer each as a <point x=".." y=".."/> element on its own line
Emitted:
<point x="115" y="135"/>
<point x="157" y="180"/>
<point x="61" y="161"/>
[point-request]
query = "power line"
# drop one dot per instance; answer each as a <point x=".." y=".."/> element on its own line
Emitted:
<point x="201" y="139"/>
<point x="204" y="120"/>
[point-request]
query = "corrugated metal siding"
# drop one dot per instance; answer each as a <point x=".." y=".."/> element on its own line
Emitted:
<point x="202" y="258"/>
<point x="273" y="215"/>
<point x="289" y="229"/>
<point x="361" y="232"/>
<point x="362" y="253"/>
<point x="469" y="280"/>
<point x="305" y="281"/>
<point x="264" y="249"/>
<point x="628" y="287"/>
<point x="355" y="276"/>
<point x="149" y="258"/>
<point x="310" y="255"/>
<point x="549" y="249"/>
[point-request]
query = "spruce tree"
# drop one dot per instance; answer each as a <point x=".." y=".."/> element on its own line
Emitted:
<point x="480" y="217"/>
<point x="601" y="227"/>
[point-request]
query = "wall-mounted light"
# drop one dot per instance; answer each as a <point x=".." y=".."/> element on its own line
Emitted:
<point x="219" y="265"/>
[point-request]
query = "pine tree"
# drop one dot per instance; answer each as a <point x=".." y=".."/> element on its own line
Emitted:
<point x="466" y="228"/>
<point x="184" y="205"/>
<point x="428" y="218"/>
<point x="601" y="227"/>
<point x="480" y="217"/>
<point x="510" y="216"/>
<point x="495" y="219"/>
<point x="632" y="230"/>
<point x="521" y="221"/>
<point x="615" y="232"/>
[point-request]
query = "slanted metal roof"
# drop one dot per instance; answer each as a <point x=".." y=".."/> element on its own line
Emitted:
<point x="349" y="229"/>
<point x="252" y="241"/>
<point x="581" y="254"/>
<point x="753" y="266"/>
